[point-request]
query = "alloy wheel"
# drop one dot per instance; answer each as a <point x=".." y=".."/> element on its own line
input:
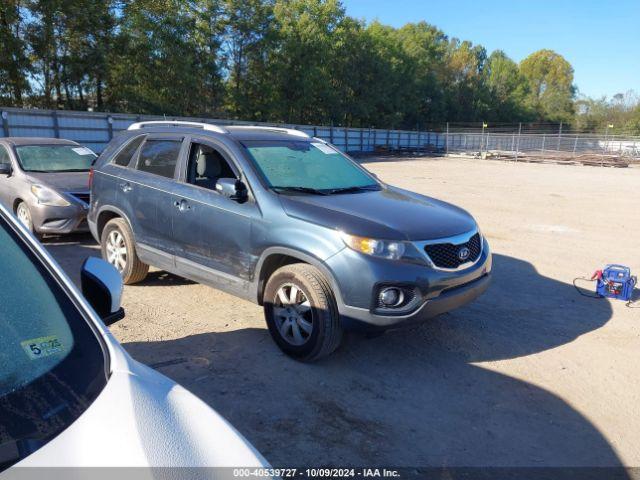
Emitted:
<point x="116" y="250"/>
<point x="24" y="215"/>
<point x="293" y="314"/>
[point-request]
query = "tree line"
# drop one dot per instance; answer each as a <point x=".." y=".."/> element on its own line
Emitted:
<point x="293" y="61"/>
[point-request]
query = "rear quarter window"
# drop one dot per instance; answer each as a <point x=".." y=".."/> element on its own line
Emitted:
<point x="123" y="158"/>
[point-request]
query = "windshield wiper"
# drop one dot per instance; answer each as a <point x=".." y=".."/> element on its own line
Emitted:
<point x="300" y="189"/>
<point x="365" y="188"/>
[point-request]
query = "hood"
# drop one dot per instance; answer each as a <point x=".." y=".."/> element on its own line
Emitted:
<point x="389" y="214"/>
<point x="143" y="419"/>
<point x="62" y="181"/>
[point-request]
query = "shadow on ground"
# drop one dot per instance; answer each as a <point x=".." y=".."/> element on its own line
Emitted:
<point x="412" y="397"/>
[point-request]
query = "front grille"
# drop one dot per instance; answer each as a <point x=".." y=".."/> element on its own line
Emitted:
<point x="446" y="255"/>
<point x="82" y="196"/>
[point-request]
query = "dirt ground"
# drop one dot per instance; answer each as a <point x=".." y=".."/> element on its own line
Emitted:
<point x="531" y="374"/>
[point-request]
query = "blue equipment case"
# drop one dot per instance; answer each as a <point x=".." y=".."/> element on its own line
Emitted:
<point x="616" y="281"/>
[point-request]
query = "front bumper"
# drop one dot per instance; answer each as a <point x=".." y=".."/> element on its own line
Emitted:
<point x="358" y="278"/>
<point x="59" y="220"/>
<point x="448" y="300"/>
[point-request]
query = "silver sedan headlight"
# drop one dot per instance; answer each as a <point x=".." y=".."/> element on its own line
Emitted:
<point x="48" y="197"/>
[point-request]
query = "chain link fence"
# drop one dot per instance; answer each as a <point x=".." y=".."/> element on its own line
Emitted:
<point x="518" y="142"/>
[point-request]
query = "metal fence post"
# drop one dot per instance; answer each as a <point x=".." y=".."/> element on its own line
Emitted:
<point x="5" y="123"/>
<point x="56" y="125"/>
<point x="447" y="140"/>
<point x="361" y="140"/>
<point x="544" y="137"/>
<point x="388" y="143"/>
<point x="346" y="139"/>
<point x="575" y="146"/>
<point x="331" y="133"/>
<point x="518" y="143"/>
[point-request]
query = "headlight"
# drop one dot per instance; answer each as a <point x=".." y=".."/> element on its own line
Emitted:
<point x="377" y="248"/>
<point x="46" y="196"/>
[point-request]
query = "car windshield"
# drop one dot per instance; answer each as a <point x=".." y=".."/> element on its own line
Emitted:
<point x="308" y="166"/>
<point x="55" y="158"/>
<point x="52" y="365"/>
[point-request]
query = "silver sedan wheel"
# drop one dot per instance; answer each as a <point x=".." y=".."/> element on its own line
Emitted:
<point x="293" y="315"/>
<point x="24" y="215"/>
<point x="117" y="250"/>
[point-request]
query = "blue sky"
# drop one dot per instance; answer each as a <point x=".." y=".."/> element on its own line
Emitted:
<point x="601" y="39"/>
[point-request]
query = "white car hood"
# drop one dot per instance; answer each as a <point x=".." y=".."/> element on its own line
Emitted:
<point x="143" y="419"/>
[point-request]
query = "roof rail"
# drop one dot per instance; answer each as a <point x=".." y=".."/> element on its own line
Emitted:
<point x="290" y="131"/>
<point x="177" y="123"/>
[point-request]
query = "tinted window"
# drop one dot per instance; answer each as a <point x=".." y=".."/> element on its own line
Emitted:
<point x="55" y="158"/>
<point x="124" y="157"/>
<point x="4" y="156"/>
<point x="52" y="365"/>
<point x="159" y="157"/>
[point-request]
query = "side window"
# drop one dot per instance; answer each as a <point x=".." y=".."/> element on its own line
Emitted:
<point x="4" y="156"/>
<point x="206" y="166"/>
<point x="124" y="157"/>
<point x="159" y="157"/>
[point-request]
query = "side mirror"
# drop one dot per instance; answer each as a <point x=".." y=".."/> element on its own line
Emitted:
<point x="5" y="169"/>
<point x="232" y="189"/>
<point x="102" y="287"/>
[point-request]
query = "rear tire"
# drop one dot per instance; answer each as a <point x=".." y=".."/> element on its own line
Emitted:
<point x="118" y="248"/>
<point x="301" y="312"/>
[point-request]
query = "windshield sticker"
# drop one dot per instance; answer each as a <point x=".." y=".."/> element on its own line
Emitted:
<point x="83" y="151"/>
<point x="42" y="347"/>
<point x="326" y="149"/>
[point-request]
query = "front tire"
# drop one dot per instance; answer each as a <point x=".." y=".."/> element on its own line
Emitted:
<point x="118" y="248"/>
<point x="24" y="215"/>
<point x="301" y="312"/>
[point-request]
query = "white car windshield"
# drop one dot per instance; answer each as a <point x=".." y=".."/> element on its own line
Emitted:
<point x="55" y="158"/>
<point x="52" y="365"/>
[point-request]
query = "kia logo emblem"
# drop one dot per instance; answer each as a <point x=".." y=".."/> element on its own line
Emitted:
<point x="464" y="253"/>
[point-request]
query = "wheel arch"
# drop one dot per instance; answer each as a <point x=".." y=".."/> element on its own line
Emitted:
<point x="105" y="215"/>
<point x="15" y="204"/>
<point x="276" y="257"/>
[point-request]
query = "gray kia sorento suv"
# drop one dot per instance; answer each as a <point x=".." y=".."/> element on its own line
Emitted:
<point x="287" y="221"/>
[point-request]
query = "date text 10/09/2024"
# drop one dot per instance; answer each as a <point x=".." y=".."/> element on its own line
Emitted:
<point x="316" y="473"/>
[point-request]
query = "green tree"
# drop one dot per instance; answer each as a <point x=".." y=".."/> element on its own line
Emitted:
<point x="157" y="66"/>
<point x="248" y="38"/>
<point x="507" y="89"/>
<point x="14" y="63"/>
<point x="550" y="82"/>
<point x="300" y="65"/>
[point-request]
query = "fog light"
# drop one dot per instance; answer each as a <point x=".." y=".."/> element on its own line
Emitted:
<point x="391" y="297"/>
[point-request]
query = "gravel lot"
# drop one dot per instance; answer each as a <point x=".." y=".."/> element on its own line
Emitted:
<point x="532" y="374"/>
